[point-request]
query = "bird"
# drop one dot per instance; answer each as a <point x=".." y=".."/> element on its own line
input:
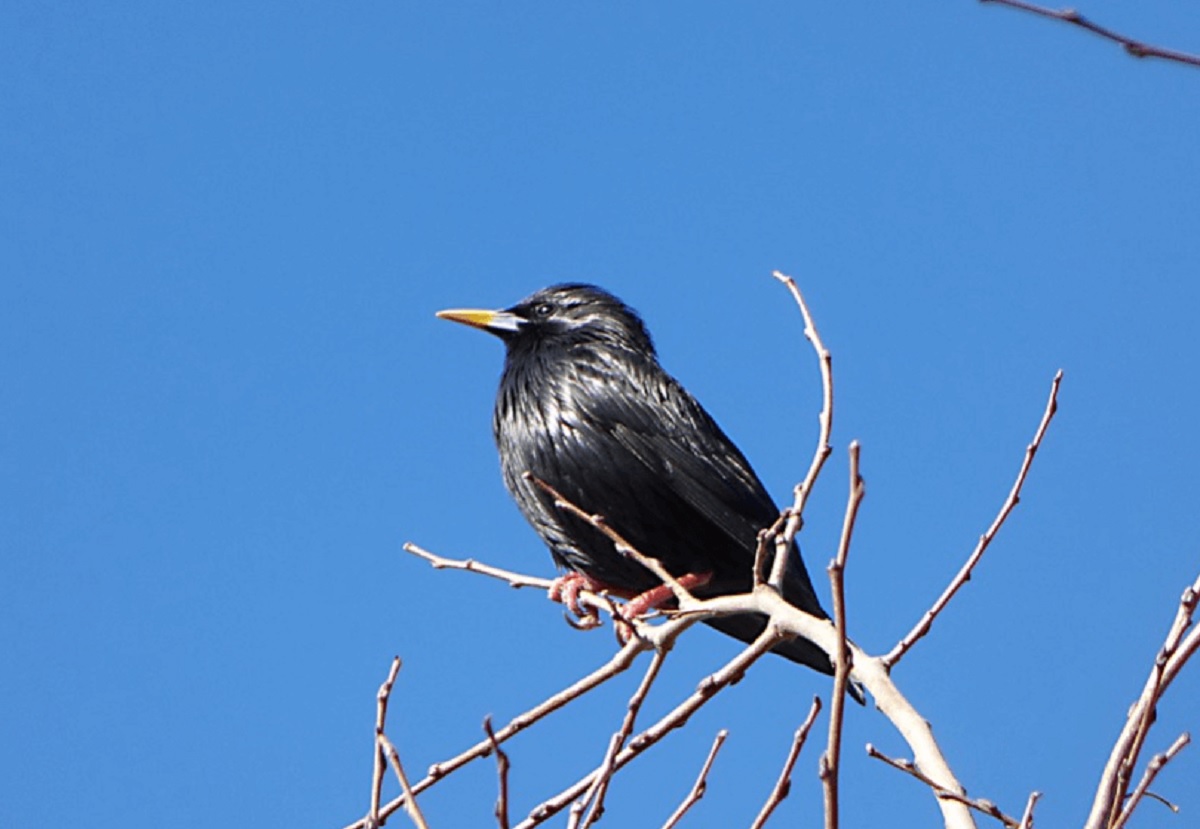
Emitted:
<point x="584" y="407"/>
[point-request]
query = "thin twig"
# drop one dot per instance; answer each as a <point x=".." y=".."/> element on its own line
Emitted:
<point x="987" y="807"/>
<point x="1160" y="799"/>
<point x="831" y="760"/>
<point x="1134" y="47"/>
<point x="599" y="788"/>
<point x="588" y="599"/>
<point x="676" y="718"/>
<point x="381" y="703"/>
<point x="1027" y="816"/>
<point x="1152" y="769"/>
<point x="410" y="800"/>
<point x="473" y="566"/>
<point x="619" y="662"/>
<point x="783" y="785"/>
<point x="964" y="575"/>
<point x="701" y="784"/>
<point x="681" y="593"/>
<point x="502" y="766"/>
<point x="767" y="538"/>
<point x="824" y="447"/>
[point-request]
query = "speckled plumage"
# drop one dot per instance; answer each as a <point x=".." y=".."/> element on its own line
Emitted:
<point x="585" y="406"/>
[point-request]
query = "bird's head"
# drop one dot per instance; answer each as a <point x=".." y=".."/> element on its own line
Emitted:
<point x="562" y="315"/>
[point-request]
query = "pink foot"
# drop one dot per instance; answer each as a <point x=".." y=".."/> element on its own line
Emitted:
<point x="566" y="589"/>
<point x="653" y="599"/>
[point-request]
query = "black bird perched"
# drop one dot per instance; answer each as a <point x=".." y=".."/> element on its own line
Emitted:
<point x="585" y="406"/>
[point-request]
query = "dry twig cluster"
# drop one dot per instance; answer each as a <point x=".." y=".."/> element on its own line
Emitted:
<point x="584" y="800"/>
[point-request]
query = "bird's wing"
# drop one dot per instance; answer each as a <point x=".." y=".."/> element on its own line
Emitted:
<point x="685" y="454"/>
<point x="683" y="449"/>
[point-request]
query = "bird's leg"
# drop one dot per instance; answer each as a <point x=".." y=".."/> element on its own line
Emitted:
<point x="653" y="599"/>
<point x="566" y="589"/>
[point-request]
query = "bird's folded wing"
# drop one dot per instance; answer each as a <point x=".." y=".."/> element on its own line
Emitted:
<point x="686" y="457"/>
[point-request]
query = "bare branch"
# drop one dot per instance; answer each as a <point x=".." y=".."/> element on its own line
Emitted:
<point x="599" y="788"/>
<point x="964" y="575"/>
<point x="502" y="766"/>
<point x="676" y="718"/>
<point x="587" y="602"/>
<point x="1027" y="817"/>
<point x="619" y="662"/>
<point x="873" y="672"/>
<point x="831" y="760"/>
<point x="473" y="566"/>
<point x="784" y="620"/>
<point x="701" y="784"/>
<point x="783" y="785"/>
<point x="824" y="447"/>
<point x="987" y="807"/>
<point x="381" y="703"/>
<point x="410" y="801"/>
<point x="1134" y="47"/>
<point x="1152" y="769"/>
<point x="1179" y="646"/>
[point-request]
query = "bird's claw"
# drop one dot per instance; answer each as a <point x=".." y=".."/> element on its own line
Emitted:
<point x="566" y="590"/>
<point x="590" y="620"/>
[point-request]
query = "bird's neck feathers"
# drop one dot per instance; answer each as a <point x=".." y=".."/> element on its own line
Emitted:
<point x="572" y="358"/>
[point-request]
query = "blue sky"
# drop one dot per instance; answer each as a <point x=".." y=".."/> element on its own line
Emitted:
<point x="224" y="230"/>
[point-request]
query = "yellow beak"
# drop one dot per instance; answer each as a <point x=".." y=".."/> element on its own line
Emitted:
<point x="500" y="323"/>
<point x="469" y="316"/>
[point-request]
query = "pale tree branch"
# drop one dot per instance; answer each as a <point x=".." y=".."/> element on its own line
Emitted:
<point x="593" y="602"/>
<point x="783" y="785"/>
<point x="1027" y="816"/>
<point x="795" y="516"/>
<point x="410" y="801"/>
<point x="1136" y="48"/>
<point x="381" y="703"/>
<point x="964" y="574"/>
<point x="700" y="786"/>
<point x="676" y="718"/>
<point x="831" y="760"/>
<point x="596" y="793"/>
<point x="875" y="677"/>
<point x="982" y="805"/>
<point x="768" y="540"/>
<point x="1152" y="769"/>
<point x="470" y="565"/>
<point x="1179" y="646"/>
<point x="618" y="663"/>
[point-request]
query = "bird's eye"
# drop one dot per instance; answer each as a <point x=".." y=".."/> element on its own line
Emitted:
<point x="543" y="310"/>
